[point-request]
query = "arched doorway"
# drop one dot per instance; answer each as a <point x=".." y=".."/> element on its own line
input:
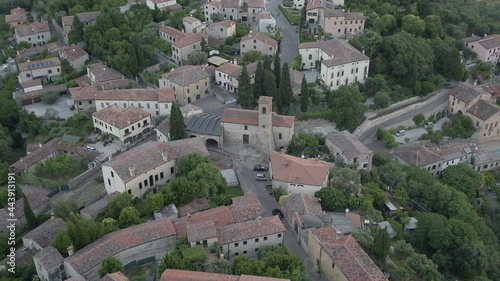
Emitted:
<point x="212" y="143"/>
<point x="460" y="112"/>
<point x="189" y="100"/>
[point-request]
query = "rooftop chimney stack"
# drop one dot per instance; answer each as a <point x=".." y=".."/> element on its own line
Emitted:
<point x="164" y="155"/>
<point x="259" y="220"/>
<point x="131" y="169"/>
<point x="339" y="234"/>
<point x="475" y="83"/>
<point x="70" y="250"/>
<point x="52" y="216"/>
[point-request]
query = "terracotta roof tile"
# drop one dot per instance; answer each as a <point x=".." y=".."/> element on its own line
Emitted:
<point x="83" y="17"/>
<point x="164" y="127"/>
<point x="49" y="257"/>
<point x="187" y="146"/>
<point x="296" y="170"/>
<point x="83" y="81"/>
<point x="45" y="233"/>
<point x="67" y="20"/>
<point x="229" y="68"/>
<point x="260" y="37"/>
<point x="490" y="42"/>
<point x="245" y="208"/>
<point x="251" y="117"/>
<point x="116" y="242"/>
<point x="98" y="206"/>
<point x="161" y="95"/>
<point x="116" y="276"/>
<point x="250" y="229"/>
<point x="103" y="73"/>
<point x="225" y="23"/>
<point x="221" y="216"/>
<point x="483" y="110"/>
<point x="255" y="3"/>
<point x="314" y="4"/>
<point x="348" y="256"/>
<point x="186" y="75"/>
<point x="177" y="34"/>
<point x="417" y="155"/>
<point x="120" y="117"/>
<point x="340" y="51"/>
<point x="35" y="157"/>
<point x="200" y="231"/>
<point x="16" y="15"/>
<point x="349" y="145"/>
<point x="465" y="92"/>
<point x="32" y="29"/>
<point x="183" y="275"/>
<point x="191" y="19"/>
<point x="230" y="3"/>
<point x="73" y="52"/>
<point x="195" y="206"/>
<point x="304" y="204"/>
<point x="52" y="61"/>
<point x="189" y="40"/>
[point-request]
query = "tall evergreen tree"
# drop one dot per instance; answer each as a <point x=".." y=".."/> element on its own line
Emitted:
<point x="177" y="126"/>
<point x="304" y="95"/>
<point x="133" y="63"/>
<point x="245" y="93"/>
<point x="285" y="90"/>
<point x="139" y="51"/>
<point x="258" y="85"/>
<point x="381" y="244"/>
<point x="28" y="214"/>
<point x="270" y="88"/>
<point x="267" y="63"/>
<point x="277" y="69"/>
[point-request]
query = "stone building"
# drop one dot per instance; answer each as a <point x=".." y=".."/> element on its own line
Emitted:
<point x="259" y="42"/>
<point x="189" y="82"/>
<point x="42" y="236"/>
<point x="49" y="264"/>
<point x="37" y="34"/>
<point x="349" y="150"/>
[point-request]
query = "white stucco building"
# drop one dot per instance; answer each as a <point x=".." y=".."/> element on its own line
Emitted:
<point x="259" y="42"/>
<point x="339" y="62"/>
<point x="40" y="69"/>
<point x="37" y="33"/>
<point x="161" y="4"/>
<point x="297" y="175"/>
<point x="265" y="20"/>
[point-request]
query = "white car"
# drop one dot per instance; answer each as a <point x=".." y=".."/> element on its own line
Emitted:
<point x="90" y="147"/>
<point x="400" y="133"/>
<point x="428" y="125"/>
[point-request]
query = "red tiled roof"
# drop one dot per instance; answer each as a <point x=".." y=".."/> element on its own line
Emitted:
<point x="67" y="20"/>
<point x="83" y="81"/>
<point x="116" y="276"/>
<point x="304" y="204"/>
<point x="73" y="52"/>
<point x="225" y="23"/>
<point x="45" y="233"/>
<point x="183" y="275"/>
<point x="228" y="68"/>
<point x="172" y="7"/>
<point x="221" y="216"/>
<point x="186" y="74"/>
<point x="177" y="34"/>
<point x="120" y="117"/>
<point x="16" y="15"/>
<point x="199" y="231"/>
<point x="116" y="242"/>
<point x="251" y="117"/>
<point x="164" y="126"/>
<point x="190" y="19"/>
<point x="103" y="73"/>
<point x="36" y="156"/>
<point x="348" y="256"/>
<point x="291" y="169"/>
<point x="255" y="4"/>
<point x="250" y="230"/>
<point x="260" y="37"/>
<point x="314" y="4"/>
<point x="245" y="208"/>
<point x="189" y="40"/>
<point x="31" y="29"/>
<point x="24" y="66"/>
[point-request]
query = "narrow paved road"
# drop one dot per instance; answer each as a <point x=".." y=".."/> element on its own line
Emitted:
<point x="250" y="185"/>
<point x="290" y="43"/>
<point x="369" y="135"/>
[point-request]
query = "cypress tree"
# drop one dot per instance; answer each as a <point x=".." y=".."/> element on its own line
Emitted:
<point x="277" y="69"/>
<point x="381" y="244"/>
<point x="285" y="90"/>
<point x="267" y="63"/>
<point x="270" y="88"/>
<point x="304" y="95"/>
<point x="258" y="85"/>
<point x="177" y="126"/>
<point x="245" y="94"/>
<point x="28" y="214"/>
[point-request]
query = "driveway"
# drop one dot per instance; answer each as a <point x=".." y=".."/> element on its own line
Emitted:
<point x="416" y="133"/>
<point x="290" y="42"/>
<point x="61" y="106"/>
<point x="213" y="106"/>
<point x="250" y="185"/>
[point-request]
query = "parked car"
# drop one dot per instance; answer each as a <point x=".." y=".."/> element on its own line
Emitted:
<point x="90" y="147"/>
<point x="277" y="212"/>
<point x="261" y="177"/>
<point x="106" y="143"/>
<point x="400" y="133"/>
<point x="428" y="125"/>
<point x="260" y="168"/>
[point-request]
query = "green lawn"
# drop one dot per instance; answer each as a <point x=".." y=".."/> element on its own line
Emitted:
<point x="234" y="191"/>
<point x="89" y="194"/>
<point x="196" y="253"/>
<point x="292" y="15"/>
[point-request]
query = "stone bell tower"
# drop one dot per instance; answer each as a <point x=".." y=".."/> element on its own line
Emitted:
<point x="266" y="140"/>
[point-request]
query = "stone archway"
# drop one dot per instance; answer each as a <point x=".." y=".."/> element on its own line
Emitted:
<point x="211" y="143"/>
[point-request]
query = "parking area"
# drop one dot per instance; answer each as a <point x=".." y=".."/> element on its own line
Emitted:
<point x="61" y="106"/>
<point x="311" y="75"/>
<point x="107" y="150"/>
<point x="414" y="135"/>
<point x="213" y="105"/>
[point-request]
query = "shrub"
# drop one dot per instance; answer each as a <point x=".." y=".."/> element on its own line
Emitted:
<point x="50" y="97"/>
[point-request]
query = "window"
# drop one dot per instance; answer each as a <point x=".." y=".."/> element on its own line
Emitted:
<point x="172" y="170"/>
<point x="256" y="240"/>
<point x="243" y="46"/>
<point x="133" y="128"/>
<point x="50" y="71"/>
<point x="265" y="238"/>
<point x="129" y="191"/>
<point x="280" y="136"/>
<point x="254" y="47"/>
<point x="246" y="128"/>
<point x="244" y="242"/>
<point x="126" y="131"/>
<point x="156" y="177"/>
<point x="109" y="182"/>
<point x="112" y="174"/>
<point x="245" y="252"/>
<point x="236" y="254"/>
<point x="279" y="235"/>
<point x="161" y="175"/>
<point x="264" y="110"/>
<point x="310" y="57"/>
<point x="145" y="182"/>
<point x="236" y="244"/>
<point x="140" y="185"/>
<point x="28" y="75"/>
<point x="256" y="250"/>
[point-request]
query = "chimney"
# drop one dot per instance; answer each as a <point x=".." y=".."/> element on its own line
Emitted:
<point x="131" y="169"/>
<point x="259" y="220"/>
<point x="164" y="155"/>
<point x="109" y="158"/>
<point x="73" y="49"/>
<point x="70" y="250"/>
<point x="363" y="51"/>
<point x="475" y="83"/>
<point x="52" y="216"/>
<point x="346" y="211"/>
<point x="128" y="122"/>
<point x="485" y="35"/>
<point x="339" y="234"/>
<point x="140" y="116"/>
<point x="188" y="215"/>
<point x="39" y="145"/>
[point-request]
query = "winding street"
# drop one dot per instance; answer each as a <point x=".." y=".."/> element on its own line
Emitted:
<point x="290" y="42"/>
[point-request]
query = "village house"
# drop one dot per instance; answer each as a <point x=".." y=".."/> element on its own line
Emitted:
<point x="487" y="159"/>
<point x="39" y="69"/>
<point x="40" y="155"/>
<point x="347" y="149"/>
<point x="211" y="8"/>
<point x="43" y="235"/>
<point x="313" y="14"/>
<point x="187" y="45"/>
<point x="143" y="243"/>
<point x="193" y="25"/>
<point x="486" y="48"/>
<point x="218" y="32"/>
<point x="16" y="17"/>
<point x="341" y="24"/>
<point x="260" y="128"/>
<point x="254" y="8"/>
<point x="87" y="18"/>
<point x="434" y="159"/>
<point x="93" y="210"/>
<point x="75" y="55"/>
<point x="183" y="275"/>
<point x="341" y="257"/>
<point x="260" y="43"/>
<point x="339" y="62"/>
<point x="48" y="264"/>
<point x="298" y="175"/>
<point x="39" y="203"/>
<point x="147" y="166"/>
<point x="170" y="34"/>
<point x="115" y="276"/>
<point x="104" y="77"/>
<point x="162" y="4"/>
<point x="37" y="33"/>
<point x="299" y="4"/>
<point x="227" y="75"/>
<point x="247" y="238"/>
<point x="189" y="110"/>
<point x="122" y="124"/>
<point x="163" y="131"/>
<point x="266" y="21"/>
<point x="206" y="127"/>
<point x="189" y="82"/>
<point x="480" y="107"/>
<point x="303" y="211"/>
